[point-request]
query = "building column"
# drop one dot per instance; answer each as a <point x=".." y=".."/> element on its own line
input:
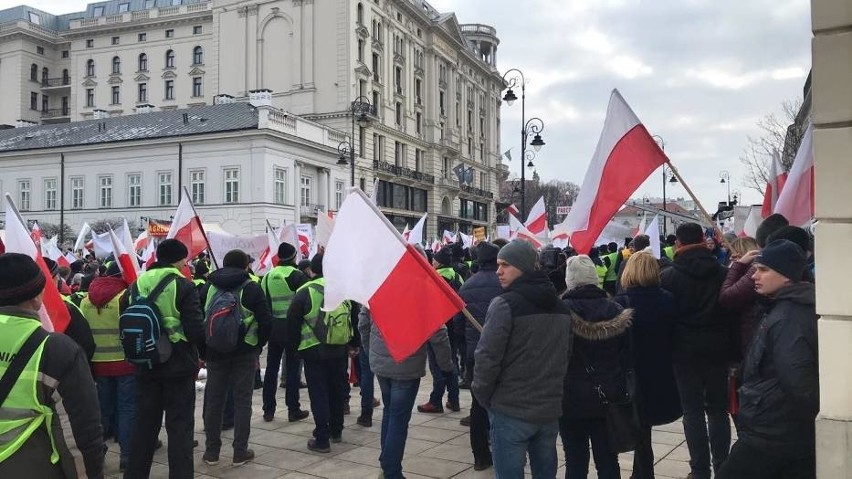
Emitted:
<point x="297" y="191"/>
<point x="322" y="187"/>
<point x="832" y="119"/>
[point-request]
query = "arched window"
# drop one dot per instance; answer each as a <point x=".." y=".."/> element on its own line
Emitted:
<point x="360" y="13"/>
<point x="34" y="72"/>
<point x="90" y="68"/>
<point x="170" y="59"/>
<point x="143" y="62"/>
<point x="446" y="206"/>
<point x="197" y="56"/>
<point x="116" y="65"/>
<point x="44" y="75"/>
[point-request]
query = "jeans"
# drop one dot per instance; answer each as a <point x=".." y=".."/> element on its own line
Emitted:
<point x="512" y="439"/>
<point x="398" y="397"/>
<point x="576" y="434"/>
<point x="326" y="378"/>
<point x="439" y="384"/>
<point x="479" y="426"/>
<point x="117" y="397"/>
<point x="274" y="352"/>
<point x="703" y="387"/>
<point x="235" y="374"/>
<point x="365" y="379"/>
<point x="176" y="397"/>
<point x="755" y="462"/>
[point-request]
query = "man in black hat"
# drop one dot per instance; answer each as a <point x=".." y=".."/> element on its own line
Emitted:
<point x="53" y="396"/>
<point x="280" y="286"/>
<point x="168" y="387"/>
<point x="779" y="398"/>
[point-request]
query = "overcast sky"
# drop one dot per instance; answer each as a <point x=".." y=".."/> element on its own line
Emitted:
<point x="699" y="73"/>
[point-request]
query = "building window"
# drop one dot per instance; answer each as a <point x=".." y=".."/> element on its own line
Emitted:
<point x="232" y="185"/>
<point x="280" y="186"/>
<point x="196" y="86"/>
<point x="65" y="54"/>
<point x="34" y="72"/>
<point x="90" y="43"/>
<point x="143" y="62"/>
<point x="24" y="194"/>
<point x="77" y="192"/>
<point x="116" y="65"/>
<point x="446" y="169"/>
<point x="399" y="153"/>
<point x="361" y="50"/>
<point x="418" y="87"/>
<point x="482" y="180"/>
<point x="45" y="102"/>
<point x="150" y="3"/>
<point x="45" y="73"/>
<point x="33" y="101"/>
<point x="338" y="194"/>
<point x="170" y="33"/>
<point x="170" y="90"/>
<point x="143" y="93"/>
<point x="196" y="186"/>
<point x="376" y="99"/>
<point x="134" y="189"/>
<point x="40" y="50"/>
<point x="376" y="68"/>
<point x="50" y="194"/>
<point x="397" y="79"/>
<point x="142" y="37"/>
<point x="197" y="56"/>
<point x="90" y="68"/>
<point x="418" y="160"/>
<point x="360" y="17"/>
<point x="196" y="30"/>
<point x="116" y="96"/>
<point x="105" y="183"/>
<point x="98" y="11"/>
<point x="305" y="191"/>
<point x="123" y="7"/>
<point x="116" y="40"/>
<point x="442" y="103"/>
<point x="170" y="59"/>
<point x="165" y="188"/>
<point x="418" y="125"/>
<point x="398" y="113"/>
<point x="362" y="133"/>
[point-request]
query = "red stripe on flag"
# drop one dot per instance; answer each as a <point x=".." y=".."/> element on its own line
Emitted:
<point x="53" y="302"/>
<point x="538" y="225"/>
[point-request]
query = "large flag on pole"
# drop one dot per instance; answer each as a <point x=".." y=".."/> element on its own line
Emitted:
<point x="54" y="314"/>
<point x="407" y="298"/>
<point x="653" y="232"/>
<point x="796" y="201"/>
<point x="415" y="236"/>
<point x="774" y="185"/>
<point x="186" y="227"/>
<point x="537" y="219"/>
<point x="624" y="158"/>
<point x="81" y="237"/>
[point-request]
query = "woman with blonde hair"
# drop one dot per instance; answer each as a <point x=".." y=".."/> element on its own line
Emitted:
<point x="653" y="320"/>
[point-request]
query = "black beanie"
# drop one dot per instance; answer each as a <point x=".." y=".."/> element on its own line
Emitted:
<point x="201" y="268"/>
<point x="486" y="253"/>
<point x="785" y="258"/>
<point x="286" y="252"/>
<point x="316" y="264"/>
<point x="792" y="233"/>
<point x="21" y="280"/>
<point x="51" y="266"/>
<point x="444" y="256"/>
<point x="171" y="251"/>
<point x="771" y="224"/>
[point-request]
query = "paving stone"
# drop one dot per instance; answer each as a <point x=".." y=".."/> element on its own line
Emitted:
<point x="338" y="469"/>
<point x="663" y="437"/>
<point x="450" y="453"/>
<point x="671" y="468"/>
<point x="427" y="466"/>
<point x="432" y="434"/>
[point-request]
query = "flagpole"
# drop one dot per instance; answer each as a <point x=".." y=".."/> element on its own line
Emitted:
<point x="471" y="319"/>
<point x="201" y="227"/>
<point x="704" y="212"/>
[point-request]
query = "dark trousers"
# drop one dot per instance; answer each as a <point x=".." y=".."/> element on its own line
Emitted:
<point x="367" y="383"/>
<point x="439" y="384"/>
<point x="643" y="456"/>
<point x="274" y="352"/>
<point x="479" y="427"/>
<point x="326" y="378"/>
<point x="703" y="388"/>
<point x="576" y="434"/>
<point x="754" y="462"/>
<point x="236" y="374"/>
<point x="117" y="397"/>
<point x="176" y="397"/>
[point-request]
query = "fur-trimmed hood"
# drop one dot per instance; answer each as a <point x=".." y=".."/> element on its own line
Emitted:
<point x="601" y="330"/>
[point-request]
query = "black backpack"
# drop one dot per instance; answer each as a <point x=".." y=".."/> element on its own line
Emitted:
<point x="140" y="326"/>
<point x="224" y="326"/>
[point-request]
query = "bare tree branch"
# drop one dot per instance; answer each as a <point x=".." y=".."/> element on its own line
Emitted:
<point x="758" y="152"/>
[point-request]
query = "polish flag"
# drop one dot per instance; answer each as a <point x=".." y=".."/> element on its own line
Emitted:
<point x="449" y="237"/>
<point x="53" y="252"/>
<point x="407" y="298"/>
<point x="513" y="210"/>
<point x="54" y="313"/>
<point x="796" y="200"/>
<point x="777" y="178"/>
<point x="141" y="242"/>
<point x="305" y="235"/>
<point x="406" y="232"/>
<point x="625" y="157"/>
<point x="436" y="246"/>
<point x="127" y="239"/>
<point x="415" y="236"/>
<point x="289" y="234"/>
<point x="521" y="232"/>
<point x="752" y="222"/>
<point x="149" y="256"/>
<point x="70" y="258"/>
<point x="126" y="263"/>
<point x="81" y="237"/>
<point x="186" y="228"/>
<point x="559" y="237"/>
<point x="653" y="232"/>
<point x="537" y="219"/>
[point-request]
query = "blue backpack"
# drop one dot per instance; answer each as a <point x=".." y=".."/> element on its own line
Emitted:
<point x="141" y="329"/>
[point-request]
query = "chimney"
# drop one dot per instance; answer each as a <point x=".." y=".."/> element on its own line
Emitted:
<point x="186" y="118"/>
<point x="262" y="97"/>
<point x="24" y="123"/>
<point x="145" y="108"/>
<point x="100" y="114"/>
<point x="223" y="99"/>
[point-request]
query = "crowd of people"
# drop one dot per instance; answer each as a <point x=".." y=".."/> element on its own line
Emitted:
<point x="594" y="348"/>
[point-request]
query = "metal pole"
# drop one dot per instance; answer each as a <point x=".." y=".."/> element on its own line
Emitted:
<point x="61" y="199"/>
<point x="665" y="232"/>
<point x="523" y="149"/>
<point x="352" y="149"/>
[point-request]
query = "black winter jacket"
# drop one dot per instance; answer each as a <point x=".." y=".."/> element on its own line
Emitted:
<point x="601" y="342"/>
<point x="477" y="293"/>
<point x="779" y="398"/>
<point x="253" y="299"/>
<point x="701" y="331"/>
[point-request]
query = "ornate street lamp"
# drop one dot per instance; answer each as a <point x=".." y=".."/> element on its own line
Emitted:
<point x="532" y="128"/>
<point x="361" y="111"/>
<point x="725" y="178"/>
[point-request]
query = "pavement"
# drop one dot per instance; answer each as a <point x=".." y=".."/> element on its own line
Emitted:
<point x="437" y="447"/>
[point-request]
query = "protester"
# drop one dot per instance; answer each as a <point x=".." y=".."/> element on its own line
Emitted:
<point x="639" y="243"/>
<point x="78" y="328"/>
<point x="737" y="294"/>
<point x="55" y="430"/>
<point x="327" y="340"/>
<point x="520" y="358"/>
<point x="610" y="260"/>
<point x="653" y="322"/>
<point x="768" y="226"/>
<point x="779" y="398"/>
<point x="280" y="285"/>
<point x="802" y="239"/>
<point x="701" y="349"/>
<point x="168" y="387"/>
<point x="233" y="370"/>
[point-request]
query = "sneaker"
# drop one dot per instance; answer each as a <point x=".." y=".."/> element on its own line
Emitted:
<point x="297" y="415"/>
<point x="482" y="464"/>
<point x="365" y="420"/>
<point x="268" y="417"/>
<point x="430" y="408"/>
<point x="376" y="402"/>
<point x="454" y="407"/>
<point x="242" y="458"/>
<point x="346" y="410"/>
<point x="210" y="458"/>
<point x="336" y="439"/>
<point x="312" y="445"/>
<point x="465" y="421"/>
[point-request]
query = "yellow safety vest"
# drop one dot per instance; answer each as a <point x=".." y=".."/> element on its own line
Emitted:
<point x="165" y="301"/>
<point x="276" y="288"/>
<point x="248" y="317"/>
<point x="338" y="332"/>
<point x="104" y="324"/>
<point x="612" y="272"/>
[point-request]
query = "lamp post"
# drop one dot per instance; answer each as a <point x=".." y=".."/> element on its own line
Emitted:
<point x="533" y="127"/>
<point x="725" y="178"/>
<point x="362" y="109"/>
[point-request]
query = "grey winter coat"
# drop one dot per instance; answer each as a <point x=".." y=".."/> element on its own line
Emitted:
<point x="412" y="367"/>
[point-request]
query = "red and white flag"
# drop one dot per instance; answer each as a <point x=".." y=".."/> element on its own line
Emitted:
<point x="407" y="298"/>
<point x="537" y="219"/>
<point x="406" y="232"/>
<point x="126" y="261"/>
<point x="752" y="222"/>
<point x="796" y="201"/>
<point x="141" y="242"/>
<point x="54" y="313"/>
<point x="415" y="236"/>
<point x="777" y="178"/>
<point x="513" y="210"/>
<point x="449" y="237"/>
<point x="519" y="231"/>
<point x="70" y="258"/>
<point x="149" y="256"/>
<point x="49" y="249"/>
<point x="186" y="227"/>
<point x="625" y="157"/>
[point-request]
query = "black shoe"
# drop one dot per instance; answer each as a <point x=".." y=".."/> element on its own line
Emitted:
<point x="465" y="421"/>
<point x="312" y="445"/>
<point x="336" y="439"/>
<point x="210" y="458"/>
<point x="365" y="420"/>
<point x="297" y="415"/>
<point x="258" y="385"/>
<point x="482" y="464"/>
<point x="242" y="458"/>
<point x="122" y="465"/>
<point x="268" y="417"/>
<point x="464" y="385"/>
<point x="454" y="407"/>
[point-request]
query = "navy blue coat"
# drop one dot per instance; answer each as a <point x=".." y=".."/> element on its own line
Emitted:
<point x="477" y="293"/>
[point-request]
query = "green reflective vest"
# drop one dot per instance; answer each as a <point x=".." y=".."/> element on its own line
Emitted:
<point x="335" y="325"/>
<point x="278" y="291"/>
<point x="22" y="413"/>
<point x="165" y="301"/>
<point x="104" y="324"/>
<point x="669" y="252"/>
<point x="602" y="271"/>
<point x="449" y="274"/>
<point x="611" y="272"/>
<point x="248" y="317"/>
<point x="198" y="281"/>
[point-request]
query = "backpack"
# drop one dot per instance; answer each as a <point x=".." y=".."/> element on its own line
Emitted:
<point x="224" y="326"/>
<point x="141" y="327"/>
<point x="333" y="327"/>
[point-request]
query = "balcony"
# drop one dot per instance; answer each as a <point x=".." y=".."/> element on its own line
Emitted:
<point x="311" y="210"/>
<point x="403" y="172"/>
<point x="55" y="113"/>
<point x="477" y="191"/>
<point x="61" y="82"/>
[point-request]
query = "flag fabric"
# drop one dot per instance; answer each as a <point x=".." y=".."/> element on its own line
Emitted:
<point x="70" y="258"/>
<point x="415" y="236"/>
<point x="186" y="228"/>
<point x="149" y="256"/>
<point x="508" y="154"/>
<point x="653" y="232"/>
<point x="290" y="235"/>
<point x="459" y="172"/>
<point x="325" y="225"/>
<point x="520" y="231"/>
<point x="513" y="210"/>
<point x="559" y="237"/>
<point x="54" y="314"/>
<point x="625" y="157"/>
<point x="2" y="246"/>
<point x="449" y="237"/>
<point x="796" y="200"/>
<point x="468" y="176"/>
<point x="640" y="229"/>
<point x="436" y="246"/>
<point x="774" y="186"/>
<point x="50" y="250"/>
<point x="306" y="241"/>
<point x="407" y="298"/>
<point x="504" y="231"/>
<point x="141" y="242"/>
<point x="537" y="218"/>
<point x="467" y="241"/>
<point x="101" y="244"/>
<point x="81" y="237"/>
<point x="406" y="232"/>
<point x="752" y="222"/>
<point x="127" y="239"/>
<point x="126" y="263"/>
